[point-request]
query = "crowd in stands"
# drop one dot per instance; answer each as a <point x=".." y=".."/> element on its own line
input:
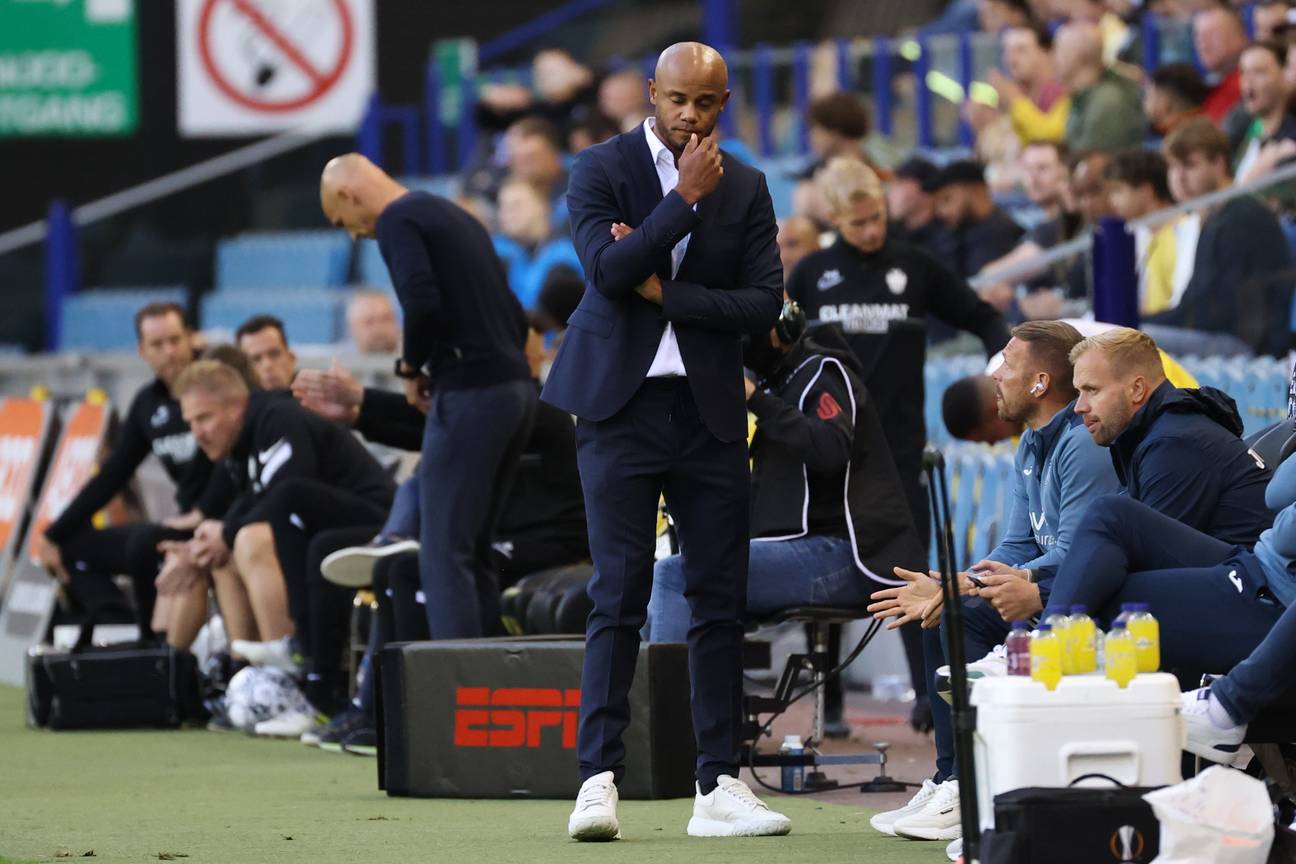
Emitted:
<point x="286" y="501"/>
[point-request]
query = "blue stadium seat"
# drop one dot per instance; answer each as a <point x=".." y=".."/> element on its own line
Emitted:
<point x="371" y="270"/>
<point x="309" y="316"/>
<point x="103" y="319"/>
<point x="283" y="259"/>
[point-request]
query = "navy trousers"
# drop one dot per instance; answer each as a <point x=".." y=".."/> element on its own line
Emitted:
<point x="658" y="444"/>
<point x="471" y="445"/>
<point x="1210" y="598"/>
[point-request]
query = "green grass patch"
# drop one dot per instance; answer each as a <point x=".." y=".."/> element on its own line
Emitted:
<point x="202" y="797"/>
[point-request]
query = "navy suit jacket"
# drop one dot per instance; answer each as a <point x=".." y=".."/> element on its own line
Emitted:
<point x="729" y="283"/>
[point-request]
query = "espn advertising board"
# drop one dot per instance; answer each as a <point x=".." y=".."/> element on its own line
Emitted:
<point x="29" y="602"/>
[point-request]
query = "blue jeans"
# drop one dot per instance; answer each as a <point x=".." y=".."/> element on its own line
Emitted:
<point x="819" y="570"/>
<point x="403" y="518"/>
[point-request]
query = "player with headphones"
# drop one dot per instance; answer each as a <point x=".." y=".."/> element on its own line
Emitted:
<point x="817" y="433"/>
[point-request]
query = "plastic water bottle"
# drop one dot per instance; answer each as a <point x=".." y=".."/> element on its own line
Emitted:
<point x="793" y="775"/>
<point x="1018" y="648"/>
<point x="1083" y="642"/>
<point x="1046" y="657"/>
<point x="1061" y="626"/>
<point x="1122" y="664"/>
<point x="1127" y="611"/>
<point x="1147" y="638"/>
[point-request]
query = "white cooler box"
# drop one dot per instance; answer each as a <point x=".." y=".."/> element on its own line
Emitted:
<point x="1029" y="736"/>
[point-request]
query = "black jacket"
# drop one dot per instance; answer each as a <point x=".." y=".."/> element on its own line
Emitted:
<point x="820" y="463"/>
<point x="881" y="303"/>
<point x="281" y="441"/>
<point x="1181" y="456"/>
<point x="153" y="424"/>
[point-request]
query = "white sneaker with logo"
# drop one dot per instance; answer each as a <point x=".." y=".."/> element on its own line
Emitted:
<point x="885" y="822"/>
<point x="733" y="810"/>
<point x="993" y="665"/>
<point x="1205" y="739"/>
<point x="938" y="820"/>
<point x="594" y="818"/>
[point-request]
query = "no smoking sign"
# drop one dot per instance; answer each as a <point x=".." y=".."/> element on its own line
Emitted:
<point x="252" y="66"/>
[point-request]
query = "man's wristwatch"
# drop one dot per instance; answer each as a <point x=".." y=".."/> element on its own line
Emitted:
<point x="402" y="371"/>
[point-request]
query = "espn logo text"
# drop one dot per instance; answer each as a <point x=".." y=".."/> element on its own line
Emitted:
<point x="514" y="716"/>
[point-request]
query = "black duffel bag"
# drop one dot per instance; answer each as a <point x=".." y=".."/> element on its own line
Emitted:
<point x="1072" y="826"/>
<point x="138" y="684"/>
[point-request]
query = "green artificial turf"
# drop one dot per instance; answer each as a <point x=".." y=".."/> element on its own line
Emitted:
<point x="198" y="796"/>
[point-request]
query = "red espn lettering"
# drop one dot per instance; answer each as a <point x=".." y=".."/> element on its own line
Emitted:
<point x="514" y="716"/>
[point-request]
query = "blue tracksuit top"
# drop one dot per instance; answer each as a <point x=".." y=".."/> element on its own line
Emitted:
<point x="1059" y="470"/>
<point x="1276" y="548"/>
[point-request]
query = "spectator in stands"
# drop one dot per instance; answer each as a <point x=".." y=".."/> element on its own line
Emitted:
<point x="524" y="215"/>
<point x="263" y="340"/>
<point x="623" y="98"/>
<point x="300" y="475"/>
<point x="1219" y="39"/>
<point x="970" y="410"/>
<point x="1030" y="97"/>
<point x="1138" y="184"/>
<point x="913" y="211"/>
<point x="817" y="433"/>
<point x="1106" y="112"/>
<point x="1237" y="301"/>
<point x="1271" y="135"/>
<point x="588" y="129"/>
<point x="86" y="559"/>
<point x="884" y="295"/>
<point x="1270" y="18"/>
<point x="839" y="125"/>
<point x="1173" y="95"/>
<point x="561" y="85"/>
<point x="996" y="16"/>
<point x="1059" y="472"/>
<point x="981" y="231"/>
<point x="371" y="323"/>
<point x="797" y="238"/>
<point x="534" y="156"/>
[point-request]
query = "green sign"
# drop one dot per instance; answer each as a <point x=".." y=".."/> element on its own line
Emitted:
<point x="67" y="68"/>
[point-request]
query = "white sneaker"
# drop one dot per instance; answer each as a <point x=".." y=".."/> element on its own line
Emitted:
<point x="594" y="817"/>
<point x="938" y="820"/>
<point x="993" y="665"/>
<point x="353" y="567"/>
<point x="1205" y="739"/>
<point x="733" y="810"/>
<point x="885" y="822"/>
<point x="276" y="654"/>
<point x="954" y="851"/>
<point x="290" y="724"/>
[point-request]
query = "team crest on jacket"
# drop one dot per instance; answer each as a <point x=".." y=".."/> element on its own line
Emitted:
<point x="828" y="279"/>
<point x="896" y="280"/>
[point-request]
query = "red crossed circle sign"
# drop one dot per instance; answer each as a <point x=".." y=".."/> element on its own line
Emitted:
<point x="320" y="79"/>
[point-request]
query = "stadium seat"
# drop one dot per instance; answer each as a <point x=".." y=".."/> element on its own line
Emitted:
<point x="370" y="269"/>
<point x="103" y="319"/>
<point x="310" y="316"/>
<point x="287" y="259"/>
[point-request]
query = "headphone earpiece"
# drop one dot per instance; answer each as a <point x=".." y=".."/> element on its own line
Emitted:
<point x="791" y="325"/>
<point x="1036" y="389"/>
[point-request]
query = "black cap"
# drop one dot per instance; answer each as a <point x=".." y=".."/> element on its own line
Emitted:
<point x="917" y="169"/>
<point x="962" y="171"/>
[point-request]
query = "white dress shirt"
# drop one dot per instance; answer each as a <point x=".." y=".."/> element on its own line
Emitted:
<point x="668" y="362"/>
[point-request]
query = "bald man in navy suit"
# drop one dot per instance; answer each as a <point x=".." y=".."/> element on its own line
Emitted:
<point x="677" y="240"/>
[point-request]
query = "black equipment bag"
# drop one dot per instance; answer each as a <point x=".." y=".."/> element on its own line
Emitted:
<point x="1072" y="826"/>
<point x="138" y="684"/>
